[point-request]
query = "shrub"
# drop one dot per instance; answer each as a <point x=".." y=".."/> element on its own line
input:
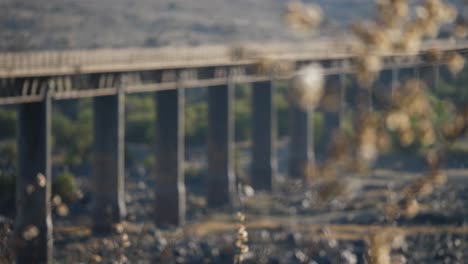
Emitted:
<point x="243" y="112"/>
<point x="281" y="104"/>
<point x="196" y="122"/>
<point x="140" y="119"/>
<point x="150" y="163"/>
<point x="7" y="123"/>
<point x="7" y="189"/>
<point x="65" y="186"/>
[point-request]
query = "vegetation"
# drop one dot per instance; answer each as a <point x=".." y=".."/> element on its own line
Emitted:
<point x="72" y="137"/>
<point x="72" y="122"/>
<point x="72" y="132"/>
<point x="140" y="118"/>
<point x="7" y="123"/>
<point x="64" y="185"/>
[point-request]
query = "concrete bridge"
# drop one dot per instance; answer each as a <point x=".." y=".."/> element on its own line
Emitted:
<point x="32" y="80"/>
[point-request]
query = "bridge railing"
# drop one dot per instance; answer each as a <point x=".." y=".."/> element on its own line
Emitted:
<point x="56" y="62"/>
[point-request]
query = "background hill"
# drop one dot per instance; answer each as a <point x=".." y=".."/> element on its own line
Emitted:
<point x="71" y="24"/>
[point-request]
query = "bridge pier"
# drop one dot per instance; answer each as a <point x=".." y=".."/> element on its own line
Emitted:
<point x="430" y="75"/>
<point x="33" y="223"/>
<point x="264" y="163"/>
<point x="384" y="87"/>
<point x="301" y="145"/>
<point x="331" y="109"/>
<point x="386" y="81"/>
<point x="170" y="187"/>
<point x="109" y="164"/>
<point x="395" y="79"/>
<point x="364" y="100"/>
<point x="405" y="74"/>
<point x="343" y="98"/>
<point x="220" y="185"/>
<point x="445" y="76"/>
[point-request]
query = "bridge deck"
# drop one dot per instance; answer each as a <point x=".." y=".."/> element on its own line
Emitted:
<point x="26" y="76"/>
<point x="53" y="63"/>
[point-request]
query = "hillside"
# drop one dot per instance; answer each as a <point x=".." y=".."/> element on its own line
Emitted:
<point x="71" y="24"/>
<point x="65" y="24"/>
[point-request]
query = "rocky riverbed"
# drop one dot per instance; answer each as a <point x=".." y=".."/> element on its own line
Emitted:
<point x="295" y="223"/>
<point x="289" y="226"/>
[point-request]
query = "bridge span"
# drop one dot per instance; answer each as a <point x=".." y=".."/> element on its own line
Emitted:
<point x="32" y="80"/>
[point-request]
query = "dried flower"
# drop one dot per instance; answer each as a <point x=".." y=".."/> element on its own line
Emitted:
<point x="56" y="200"/>
<point x="406" y="137"/>
<point x="460" y="30"/>
<point x="301" y="17"/>
<point x="307" y="86"/>
<point x="423" y="187"/>
<point x="95" y="258"/>
<point x="397" y="121"/>
<point x="374" y="37"/>
<point x="379" y="247"/>
<point x="433" y="158"/>
<point x="455" y="62"/>
<point x="241" y="52"/>
<point x="438" y="177"/>
<point x="240" y="217"/>
<point x="30" y="232"/>
<point x="433" y="55"/>
<point x="41" y="180"/>
<point x="62" y="210"/>
<point x="242" y="239"/>
<point x="368" y="67"/>
<point x="390" y="12"/>
<point x="329" y="190"/>
<point x="30" y="188"/>
<point x="410" y="208"/>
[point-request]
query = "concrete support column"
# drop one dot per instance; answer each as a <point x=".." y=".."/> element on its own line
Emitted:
<point x="384" y="86"/>
<point x="417" y="72"/>
<point x="330" y="108"/>
<point x="170" y="187"/>
<point x="301" y="152"/>
<point x="109" y="164"/>
<point x="264" y="162"/>
<point x="221" y="177"/>
<point x="395" y="82"/>
<point x="33" y="223"/>
<point x="430" y="75"/>
<point x="366" y="99"/>
<point x="343" y="98"/>
<point x="405" y="74"/>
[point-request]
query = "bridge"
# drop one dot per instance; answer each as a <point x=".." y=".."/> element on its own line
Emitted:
<point x="32" y="80"/>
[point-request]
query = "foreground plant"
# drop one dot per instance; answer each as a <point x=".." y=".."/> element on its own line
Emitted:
<point x="242" y="238"/>
<point x="409" y="114"/>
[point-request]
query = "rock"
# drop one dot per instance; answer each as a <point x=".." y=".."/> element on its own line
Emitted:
<point x="206" y="249"/>
<point x="248" y="191"/>
<point x="95" y="258"/>
<point x="161" y="243"/>
<point x="300" y="256"/>
<point x="265" y="235"/>
<point x="398" y="259"/>
<point x="348" y="257"/>
<point x="141" y="185"/>
<point x="273" y="260"/>
<point x="293" y="239"/>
